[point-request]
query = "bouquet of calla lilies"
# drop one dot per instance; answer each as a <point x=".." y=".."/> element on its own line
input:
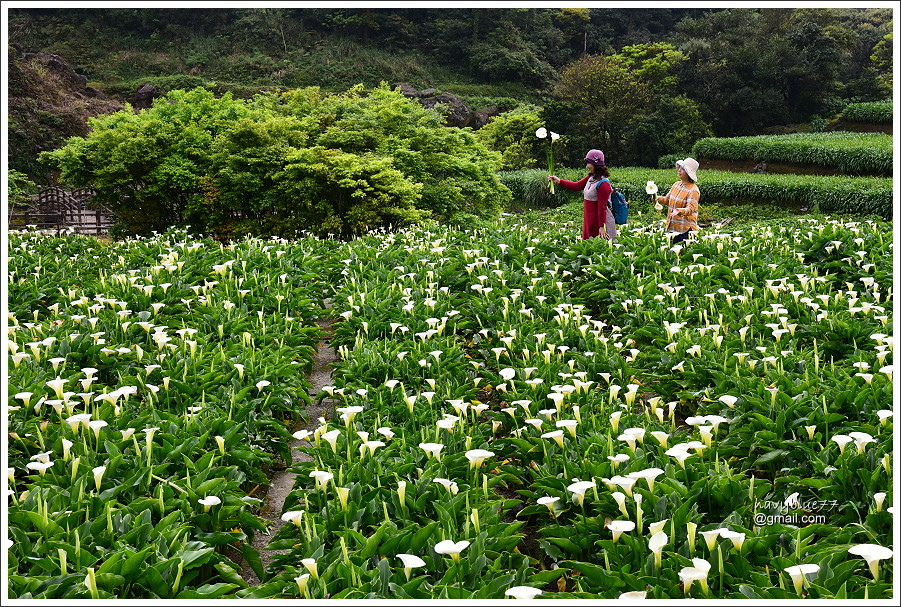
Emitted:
<point x="543" y="133"/>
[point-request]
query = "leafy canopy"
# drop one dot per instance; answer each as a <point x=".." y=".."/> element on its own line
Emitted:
<point x="339" y="164"/>
<point x="629" y="104"/>
<point x="513" y="134"/>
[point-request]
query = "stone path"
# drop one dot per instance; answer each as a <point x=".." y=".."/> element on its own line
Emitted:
<point x="282" y="482"/>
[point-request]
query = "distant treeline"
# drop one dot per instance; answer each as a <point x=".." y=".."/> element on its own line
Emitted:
<point x="640" y="84"/>
<point x="748" y="69"/>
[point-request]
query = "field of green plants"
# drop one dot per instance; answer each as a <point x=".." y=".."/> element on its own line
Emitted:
<point x="850" y="153"/>
<point x="878" y="112"/>
<point x="520" y="412"/>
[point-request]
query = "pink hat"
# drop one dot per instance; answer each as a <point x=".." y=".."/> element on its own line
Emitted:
<point x="595" y="157"/>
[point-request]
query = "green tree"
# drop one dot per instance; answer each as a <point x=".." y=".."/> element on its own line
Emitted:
<point x="278" y="164"/>
<point x="239" y="185"/>
<point x="726" y="69"/>
<point x="145" y="167"/>
<point x="673" y="126"/>
<point x="457" y="172"/>
<point x="883" y="61"/>
<point x="575" y="22"/>
<point x="654" y="64"/>
<point x="513" y="135"/>
<point x="18" y="187"/>
<point x="753" y="68"/>
<point x="507" y="54"/>
<point x="609" y="94"/>
<point x="344" y="194"/>
<point x="265" y="26"/>
<point x="630" y="104"/>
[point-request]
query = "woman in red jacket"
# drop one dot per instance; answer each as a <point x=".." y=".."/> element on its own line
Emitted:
<point x="597" y="217"/>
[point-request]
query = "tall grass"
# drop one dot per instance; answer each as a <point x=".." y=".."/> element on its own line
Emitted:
<point x="530" y="188"/>
<point x="876" y="112"/>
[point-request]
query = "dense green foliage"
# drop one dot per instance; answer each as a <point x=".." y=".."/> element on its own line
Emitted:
<point x="858" y="196"/>
<point x="674" y="74"/>
<point x="880" y="112"/>
<point x="18" y="187"/>
<point x="850" y="153"/>
<point x="629" y="105"/>
<point x="334" y="164"/>
<point x="334" y="48"/>
<point x="513" y="135"/>
<point x="749" y="68"/>
<point x="882" y="59"/>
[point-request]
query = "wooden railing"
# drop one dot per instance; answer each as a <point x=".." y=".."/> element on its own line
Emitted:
<point x="59" y="209"/>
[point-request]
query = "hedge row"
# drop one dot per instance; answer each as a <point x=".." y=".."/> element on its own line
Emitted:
<point x="877" y="112"/>
<point x="853" y="195"/>
<point x="850" y="153"/>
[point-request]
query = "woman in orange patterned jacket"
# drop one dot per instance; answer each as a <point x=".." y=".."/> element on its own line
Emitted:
<point x="597" y="217"/>
<point x="682" y="202"/>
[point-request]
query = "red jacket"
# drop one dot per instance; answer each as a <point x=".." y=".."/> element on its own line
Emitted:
<point x="603" y="191"/>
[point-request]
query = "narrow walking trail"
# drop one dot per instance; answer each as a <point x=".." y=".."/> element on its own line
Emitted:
<point x="282" y="481"/>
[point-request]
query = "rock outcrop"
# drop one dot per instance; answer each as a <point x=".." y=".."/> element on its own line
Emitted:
<point x="455" y="111"/>
<point x="48" y="102"/>
<point x="144" y="97"/>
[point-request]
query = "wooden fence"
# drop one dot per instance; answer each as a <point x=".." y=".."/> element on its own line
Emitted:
<point x="59" y="209"/>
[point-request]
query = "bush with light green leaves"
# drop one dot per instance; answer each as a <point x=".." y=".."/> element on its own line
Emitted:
<point x="338" y="164"/>
<point x="513" y="134"/>
<point x="19" y="187"/>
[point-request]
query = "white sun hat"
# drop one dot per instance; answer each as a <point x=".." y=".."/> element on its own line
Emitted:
<point x="691" y="167"/>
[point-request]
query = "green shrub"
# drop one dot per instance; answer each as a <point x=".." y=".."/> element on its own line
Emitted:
<point x="530" y="190"/>
<point x="628" y="105"/>
<point x="510" y="55"/>
<point x="457" y="172"/>
<point x="669" y="160"/>
<point x="281" y="164"/>
<point x="146" y="167"/>
<point x="18" y="187"/>
<point x="513" y="135"/>
<point x="851" y="153"/>
<point x="877" y="112"/>
<point x="845" y="195"/>
<point x="817" y="124"/>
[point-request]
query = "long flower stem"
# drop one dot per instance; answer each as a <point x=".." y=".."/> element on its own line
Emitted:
<point x="550" y="160"/>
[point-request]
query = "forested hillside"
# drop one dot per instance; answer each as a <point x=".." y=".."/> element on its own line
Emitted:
<point x="641" y="82"/>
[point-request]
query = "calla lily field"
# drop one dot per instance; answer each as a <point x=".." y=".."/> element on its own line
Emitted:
<point x="519" y="414"/>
